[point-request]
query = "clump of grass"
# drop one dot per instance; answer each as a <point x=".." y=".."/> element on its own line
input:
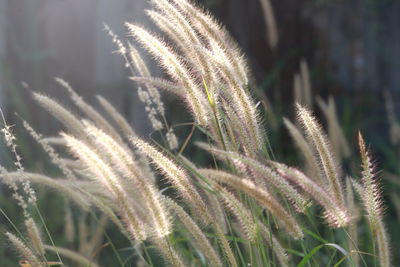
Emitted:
<point x="244" y="209"/>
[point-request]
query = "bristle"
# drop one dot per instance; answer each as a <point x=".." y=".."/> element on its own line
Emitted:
<point x="372" y="199"/>
<point x="169" y="253"/>
<point x="276" y="246"/>
<point x="34" y="236"/>
<point x="28" y="196"/>
<point x="261" y="196"/>
<point x="163" y="84"/>
<point x="264" y="175"/>
<point x="210" y="30"/>
<point x="88" y="110"/>
<point x="176" y="175"/>
<point x="335" y="214"/>
<point x="23" y="250"/>
<point x="371" y="193"/>
<point x="117" y="117"/>
<point x="190" y="40"/>
<point x="104" y="175"/>
<point x="66" y="117"/>
<point x="329" y="166"/>
<point x="123" y="161"/>
<point x="307" y="154"/>
<point x="240" y="211"/>
<point x="243" y="103"/>
<point x="168" y="27"/>
<point x="201" y="240"/>
<point x="175" y="68"/>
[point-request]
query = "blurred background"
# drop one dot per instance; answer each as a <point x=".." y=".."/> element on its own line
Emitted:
<point x="352" y="49"/>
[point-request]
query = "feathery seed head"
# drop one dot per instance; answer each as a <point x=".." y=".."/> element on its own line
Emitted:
<point x="263" y="174"/>
<point x="175" y="68"/>
<point x="334" y="214"/>
<point x="34" y="236"/>
<point x="176" y="176"/>
<point x="123" y="161"/>
<point x="372" y="199"/>
<point x="65" y="116"/>
<point x="371" y="192"/>
<point x="318" y="140"/>
<point x="22" y="249"/>
<point x="201" y="240"/>
<point x="261" y="196"/>
<point x="104" y="174"/>
<point x="116" y="116"/>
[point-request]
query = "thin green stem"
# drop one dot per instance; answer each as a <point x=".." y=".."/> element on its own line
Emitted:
<point x="48" y="233"/>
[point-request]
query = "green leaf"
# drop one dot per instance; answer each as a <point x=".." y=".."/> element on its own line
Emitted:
<point x="306" y="259"/>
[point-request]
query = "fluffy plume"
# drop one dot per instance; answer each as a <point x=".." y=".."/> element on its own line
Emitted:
<point x="124" y="162"/>
<point x="175" y="68"/>
<point x="65" y="116"/>
<point x="169" y="253"/>
<point x="150" y="97"/>
<point x="176" y="175"/>
<point x="34" y="236"/>
<point x="211" y="31"/>
<point x="88" y="110"/>
<point x="22" y="249"/>
<point x="169" y="28"/>
<point x="117" y="117"/>
<point x="372" y="200"/>
<point x="243" y="104"/>
<point x="329" y="166"/>
<point x="169" y="86"/>
<point x="265" y="199"/>
<point x="306" y="150"/>
<point x="103" y="174"/>
<point x="141" y="68"/>
<point x="242" y="213"/>
<point x="261" y="172"/>
<point x="190" y="40"/>
<point x="275" y="245"/>
<point x="201" y="240"/>
<point x="335" y="215"/>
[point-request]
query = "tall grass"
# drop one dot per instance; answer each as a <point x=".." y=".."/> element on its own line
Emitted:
<point x="244" y="209"/>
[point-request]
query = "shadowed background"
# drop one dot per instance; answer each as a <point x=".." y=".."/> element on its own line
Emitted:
<point x="351" y="46"/>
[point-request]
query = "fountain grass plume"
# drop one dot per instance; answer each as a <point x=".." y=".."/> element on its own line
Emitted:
<point x="373" y="205"/>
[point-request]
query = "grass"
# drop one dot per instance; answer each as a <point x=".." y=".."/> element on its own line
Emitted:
<point x="245" y="207"/>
